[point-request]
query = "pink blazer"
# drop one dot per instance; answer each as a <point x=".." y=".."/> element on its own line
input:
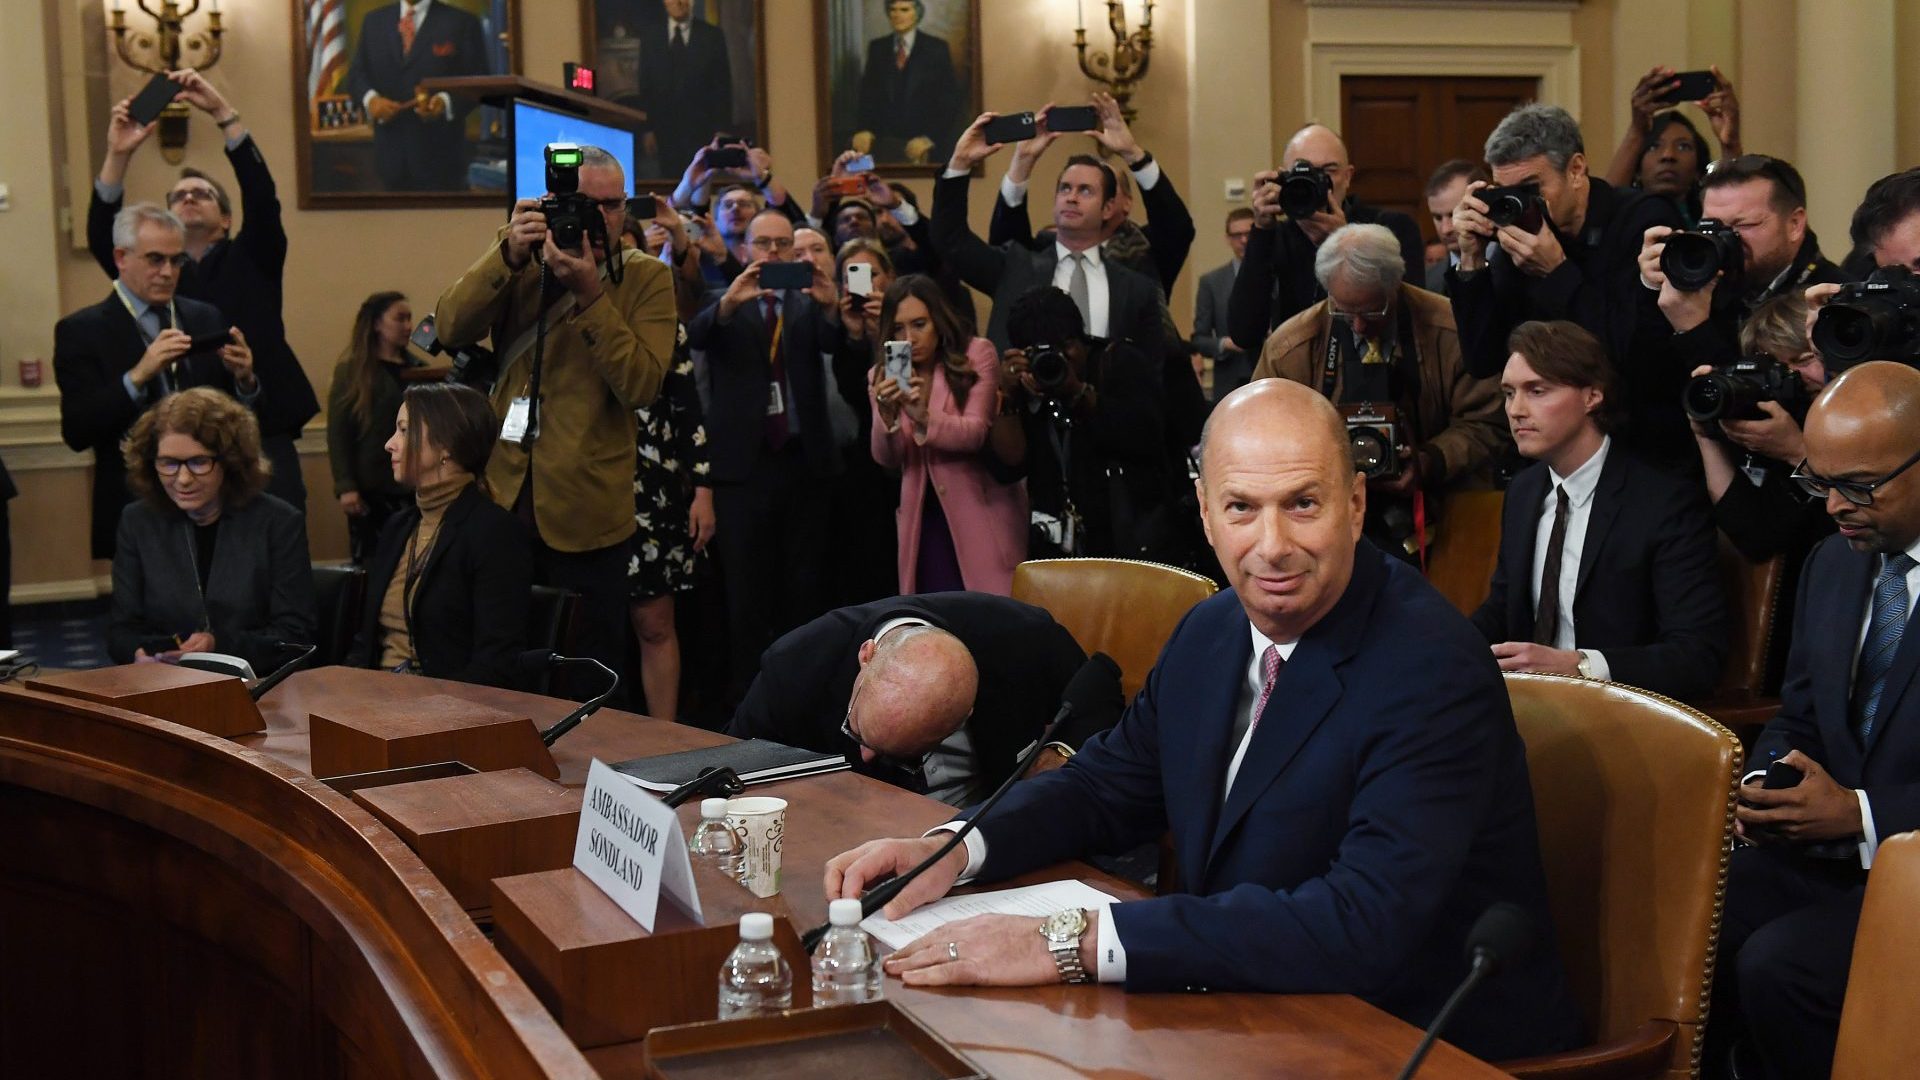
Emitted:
<point x="988" y="518"/>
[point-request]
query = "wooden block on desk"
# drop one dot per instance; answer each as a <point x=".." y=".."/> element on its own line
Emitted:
<point x="202" y="700"/>
<point x="604" y="978"/>
<point x="472" y="829"/>
<point x="363" y="736"/>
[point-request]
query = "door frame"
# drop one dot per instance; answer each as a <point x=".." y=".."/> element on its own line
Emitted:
<point x="1557" y="67"/>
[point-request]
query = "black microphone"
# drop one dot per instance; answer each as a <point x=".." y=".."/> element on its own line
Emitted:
<point x="1097" y="680"/>
<point x="712" y="782"/>
<point x="572" y="720"/>
<point x="260" y="688"/>
<point x="1502" y="934"/>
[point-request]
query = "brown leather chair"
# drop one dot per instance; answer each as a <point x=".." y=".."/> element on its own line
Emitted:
<point x="1635" y="796"/>
<point x="1465" y="548"/>
<point x="1741" y="700"/>
<point x="1878" y="1037"/>
<point x="1122" y="607"/>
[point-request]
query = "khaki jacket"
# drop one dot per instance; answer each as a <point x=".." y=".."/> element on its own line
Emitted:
<point x="1462" y="417"/>
<point x="601" y="363"/>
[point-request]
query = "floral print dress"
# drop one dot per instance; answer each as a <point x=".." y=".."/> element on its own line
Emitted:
<point x="671" y="462"/>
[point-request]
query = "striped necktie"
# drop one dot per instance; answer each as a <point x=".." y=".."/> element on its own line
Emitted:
<point x="1888" y="622"/>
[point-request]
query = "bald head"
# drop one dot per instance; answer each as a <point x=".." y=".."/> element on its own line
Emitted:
<point x="917" y="689"/>
<point x="1316" y="144"/>
<point x="1267" y="412"/>
<point x="1862" y="429"/>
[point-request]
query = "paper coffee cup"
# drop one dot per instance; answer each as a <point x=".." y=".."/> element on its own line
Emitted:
<point x="761" y="824"/>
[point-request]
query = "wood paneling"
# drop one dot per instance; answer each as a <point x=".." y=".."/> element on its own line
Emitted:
<point x="1398" y="129"/>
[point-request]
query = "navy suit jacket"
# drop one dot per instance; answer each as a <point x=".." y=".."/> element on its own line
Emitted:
<point x="1648" y="595"/>
<point x="738" y="373"/>
<point x="1814" y="717"/>
<point x="924" y="98"/>
<point x="414" y="154"/>
<point x="1382" y="805"/>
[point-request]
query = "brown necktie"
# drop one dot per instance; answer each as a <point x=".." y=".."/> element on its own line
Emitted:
<point x="1546" y="614"/>
<point x="407" y="29"/>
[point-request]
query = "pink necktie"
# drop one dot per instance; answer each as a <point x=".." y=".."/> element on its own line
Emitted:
<point x="900" y="53"/>
<point x="1270" y="670"/>
<point x="407" y="29"/>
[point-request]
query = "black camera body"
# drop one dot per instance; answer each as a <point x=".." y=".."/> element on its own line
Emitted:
<point x="1373" y="432"/>
<point x="1306" y="190"/>
<point x="1735" y="390"/>
<point x="1875" y="319"/>
<point x="1519" y="205"/>
<point x="1049" y="366"/>
<point x="570" y="215"/>
<point x="1691" y="259"/>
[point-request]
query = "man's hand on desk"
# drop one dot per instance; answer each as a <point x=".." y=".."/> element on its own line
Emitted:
<point x="993" y="950"/>
<point x="851" y="872"/>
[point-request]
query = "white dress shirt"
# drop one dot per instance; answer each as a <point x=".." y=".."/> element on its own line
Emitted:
<point x="1870" y="836"/>
<point x="1098" y="319"/>
<point x="1580" y="485"/>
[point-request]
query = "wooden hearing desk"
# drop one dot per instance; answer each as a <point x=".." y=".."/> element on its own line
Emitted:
<point x="172" y="902"/>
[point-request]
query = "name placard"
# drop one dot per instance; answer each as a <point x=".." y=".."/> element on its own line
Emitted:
<point x="631" y="846"/>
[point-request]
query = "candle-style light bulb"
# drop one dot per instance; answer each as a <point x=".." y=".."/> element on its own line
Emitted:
<point x="1079" y="7"/>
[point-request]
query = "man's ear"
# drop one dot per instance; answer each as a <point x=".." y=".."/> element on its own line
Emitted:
<point x="1576" y="167"/>
<point x="1200" y="496"/>
<point x="867" y="649"/>
<point x="1359" y="523"/>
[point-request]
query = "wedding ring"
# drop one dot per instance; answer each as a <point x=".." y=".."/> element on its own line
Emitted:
<point x="953" y="950"/>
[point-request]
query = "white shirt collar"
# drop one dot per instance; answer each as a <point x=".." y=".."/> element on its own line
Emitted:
<point x="898" y="622"/>
<point x="1581" y="483"/>
<point x="1063" y="253"/>
<point x="907" y="39"/>
<point x="1912" y="553"/>
<point x="681" y="27"/>
<point x="1261" y="641"/>
<point x="418" y="7"/>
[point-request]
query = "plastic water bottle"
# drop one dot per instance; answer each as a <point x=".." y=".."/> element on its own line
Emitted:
<point x="713" y="842"/>
<point x="755" y="980"/>
<point x="845" y="970"/>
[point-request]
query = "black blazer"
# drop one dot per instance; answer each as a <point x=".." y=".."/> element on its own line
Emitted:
<point x="924" y="98"/>
<point x="685" y="107"/>
<point x="1008" y="271"/>
<point x="92" y="349"/>
<point x="738" y="373"/>
<point x="1024" y="659"/>
<point x="1168" y="229"/>
<point x="469" y="618"/>
<point x="413" y="154"/>
<point x="1648" y="595"/>
<point x="1276" y="279"/>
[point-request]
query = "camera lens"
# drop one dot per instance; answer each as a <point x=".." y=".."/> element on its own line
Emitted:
<point x="1846" y="334"/>
<point x="1304" y="194"/>
<point x="1048" y="367"/>
<point x="1370" y="452"/>
<point x="1690" y="261"/>
<point x="1506" y="209"/>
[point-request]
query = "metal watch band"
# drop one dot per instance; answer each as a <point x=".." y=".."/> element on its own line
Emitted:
<point x="1066" y="957"/>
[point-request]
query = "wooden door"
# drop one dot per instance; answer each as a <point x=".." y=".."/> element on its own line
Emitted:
<point x="1398" y="129"/>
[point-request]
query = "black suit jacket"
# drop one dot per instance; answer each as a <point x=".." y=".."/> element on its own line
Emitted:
<point x="921" y="99"/>
<point x="414" y="154"/>
<point x="1276" y="279"/>
<point x="1648" y="596"/>
<point x="738" y="374"/>
<point x="1024" y="658"/>
<point x="687" y="105"/>
<point x="92" y="349"/>
<point x="469" y="616"/>
<point x="1168" y="229"/>
<point x="1007" y="271"/>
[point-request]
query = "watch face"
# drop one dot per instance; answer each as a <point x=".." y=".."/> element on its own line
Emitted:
<point x="1065" y="925"/>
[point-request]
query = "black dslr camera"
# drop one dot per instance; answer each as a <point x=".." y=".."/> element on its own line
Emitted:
<point x="1692" y="259"/>
<point x="570" y="215"/>
<point x="1519" y="205"/>
<point x="1305" y="190"/>
<point x="1373" y="433"/>
<point x="1875" y="319"/>
<point x="1049" y="366"/>
<point x="1734" y="391"/>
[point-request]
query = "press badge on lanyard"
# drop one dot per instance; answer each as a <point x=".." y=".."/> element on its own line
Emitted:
<point x="514" y="429"/>
<point x="776" y="402"/>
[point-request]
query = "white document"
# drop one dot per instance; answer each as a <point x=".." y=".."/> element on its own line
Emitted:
<point x="1036" y="900"/>
<point x="631" y="846"/>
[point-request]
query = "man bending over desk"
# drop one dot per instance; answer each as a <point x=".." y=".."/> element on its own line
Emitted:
<point x="1338" y="767"/>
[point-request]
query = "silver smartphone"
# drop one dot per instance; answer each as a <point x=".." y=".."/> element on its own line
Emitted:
<point x="860" y="279"/>
<point x="900" y="363"/>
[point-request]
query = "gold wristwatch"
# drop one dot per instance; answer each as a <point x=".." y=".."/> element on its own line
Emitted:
<point x="1063" y="930"/>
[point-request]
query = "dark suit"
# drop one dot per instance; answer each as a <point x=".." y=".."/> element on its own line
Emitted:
<point x="1024" y="658"/>
<point x="1648" y="596"/>
<point x="1232" y="368"/>
<point x="687" y="93"/>
<point x="1382" y="805"/>
<point x="1168" y="230"/>
<point x="92" y="349"/>
<point x="1276" y="279"/>
<point x="413" y="154"/>
<point x="468" y="621"/>
<point x="923" y="98"/>
<point x="1437" y="277"/>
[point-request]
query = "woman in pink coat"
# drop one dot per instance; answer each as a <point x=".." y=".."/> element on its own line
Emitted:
<point x="959" y="527"/>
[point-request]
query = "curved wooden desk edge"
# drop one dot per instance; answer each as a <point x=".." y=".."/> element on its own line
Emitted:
<point x="331" y="862"/>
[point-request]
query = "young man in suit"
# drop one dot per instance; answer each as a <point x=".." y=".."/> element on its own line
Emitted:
<point x="1232" y="365"/>
<point x="1445" y="188"/>
<point x="118" y="357"/>
<point x="419" y="142"/>
<point x="939" y="693"/>
<point x="1332" y="751"/>
<point x="686" y="86"/>
<point x="1849" y="725"/>
<point x="1608" y="566"/>
<point x="909" y="90"/>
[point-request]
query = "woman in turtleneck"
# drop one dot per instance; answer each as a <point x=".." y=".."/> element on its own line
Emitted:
<point x="449" y="582"/>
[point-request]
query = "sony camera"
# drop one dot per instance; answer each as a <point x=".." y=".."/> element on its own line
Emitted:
<point x="1875" y="319"/>
<point x="1305" y="190"/>
<point x="570" y="215"/>
<point x="1049" y="366"/>
<point x="1373" y="432"/>
<point x="1519" y="205"/>
<point x="1692" y="259"/>
<point x="1734" y="391"/>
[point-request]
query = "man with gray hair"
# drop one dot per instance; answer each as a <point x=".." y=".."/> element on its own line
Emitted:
<point x="1378" y="342"/>
<point x="116" y="358"/>
<point x="1574" y="255"/>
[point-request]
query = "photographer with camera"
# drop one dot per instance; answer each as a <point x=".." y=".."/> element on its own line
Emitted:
<point x="1876" y="319"/>
<point x="1553" y="242"/>
<point x="1378" y="347"/>
<point x="1081" y="422"/>
<point x="1294" y="213"/>
<point x="584" y="330"/>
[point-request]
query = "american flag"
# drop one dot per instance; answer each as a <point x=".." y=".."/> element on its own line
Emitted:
<point x="326" y="44"/>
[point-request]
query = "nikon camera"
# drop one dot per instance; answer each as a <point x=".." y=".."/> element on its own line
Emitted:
<point x="1373" y="433"/>
<point x="1692" y="259"/>
<point x="570" y="215"/>
<point x="1305" y="190"/>
<point x="1875" y="319"/>
<point x="1734" y="391"/>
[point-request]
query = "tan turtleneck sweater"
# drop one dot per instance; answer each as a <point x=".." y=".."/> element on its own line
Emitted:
<point x="433" y="498"/>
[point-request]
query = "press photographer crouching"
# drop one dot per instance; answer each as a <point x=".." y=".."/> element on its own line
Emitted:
<point x="1386" y="353"/>
<point x="1082" y="421"/>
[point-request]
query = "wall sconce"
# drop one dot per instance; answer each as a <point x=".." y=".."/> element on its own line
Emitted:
<point x="1126" y="64"/>
<point x="167" y="47"/>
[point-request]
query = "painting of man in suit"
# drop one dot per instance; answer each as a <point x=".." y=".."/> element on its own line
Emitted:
<point x="901" y="76"/>
<point x="420" y="140"/>
<point x="691" y="65"/>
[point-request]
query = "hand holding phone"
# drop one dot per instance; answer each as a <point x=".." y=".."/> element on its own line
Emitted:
<point x="860" y="279"/>
<point x="153" y="99"/>
<point x="1690" y="86"/>
<point x="900" y="364"/>
<point x="1012" y="128"/>
<point x="1065" y="118"/>
<point x="786" y="275"/>
<point x="727" y="157"/>
<point x="863" y="163"/>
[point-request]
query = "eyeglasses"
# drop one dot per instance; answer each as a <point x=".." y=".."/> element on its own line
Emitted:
<point x="1857" y="492"/>
<point x="615" y="205"/>
<point x="916" y="764"/>
<point x="174" y="198"/>
<point x="155" y="260"/>
<point x="198" y="465"/>
<point x="771" y="243"/>
<point x="1370" y="316"/>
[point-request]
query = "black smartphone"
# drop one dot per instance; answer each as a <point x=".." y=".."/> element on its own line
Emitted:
<point x="727" y="157"/>
<point x="1012" y="128"/>
<point x="786" y="275"/>
<point x="154" y="97"/>
<point x="1781" y="775"/>
<point x="210" y="342"/>
<point x="721" y="138"/>
<point x="1063" y="118"/>
<point x="1690" y="86"/>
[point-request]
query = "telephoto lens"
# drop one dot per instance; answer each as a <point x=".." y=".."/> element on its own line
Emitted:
<point x="1691" y="260"/>
<point x="1875" y="319"/>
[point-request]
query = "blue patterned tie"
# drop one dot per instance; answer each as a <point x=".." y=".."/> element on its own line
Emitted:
<point x="1883" y="641"/>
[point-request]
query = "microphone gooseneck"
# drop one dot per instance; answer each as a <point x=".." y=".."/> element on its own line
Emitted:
<point x="587" y="708"/>
<point x="259" y="689"/>
<point x="1501" y="935"/>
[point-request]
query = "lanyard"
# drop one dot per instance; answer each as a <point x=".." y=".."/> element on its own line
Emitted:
<point x="173" y="317"/>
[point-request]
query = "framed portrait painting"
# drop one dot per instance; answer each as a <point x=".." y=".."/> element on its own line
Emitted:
<point x="899" y="79"/>
<point x="368" y="133"/>
<point x="695" y="67"/>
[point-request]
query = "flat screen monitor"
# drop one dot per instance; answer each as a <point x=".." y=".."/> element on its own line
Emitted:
<point x="534" y="126"/>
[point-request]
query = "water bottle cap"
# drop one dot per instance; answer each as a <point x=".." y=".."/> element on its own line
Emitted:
<point x="844" y="913"/>
<point x="712" y="809"/>
<point x="756" y="926"/>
